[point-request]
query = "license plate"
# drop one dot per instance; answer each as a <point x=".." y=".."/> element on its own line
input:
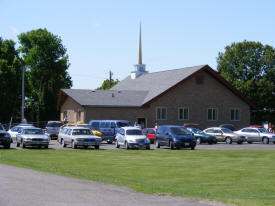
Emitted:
<point x="186" y="144"/>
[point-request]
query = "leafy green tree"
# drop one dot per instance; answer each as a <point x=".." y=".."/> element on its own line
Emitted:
<point x="106" y="84"/>
<point x="250" y="67"/>
<point x="47" y="63"/>
<point x="10" y="78"/>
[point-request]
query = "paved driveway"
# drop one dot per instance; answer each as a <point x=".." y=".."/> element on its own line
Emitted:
<point x="25" y="187"/>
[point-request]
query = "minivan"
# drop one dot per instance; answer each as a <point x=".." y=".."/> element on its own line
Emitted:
<point x="109" y="128"/>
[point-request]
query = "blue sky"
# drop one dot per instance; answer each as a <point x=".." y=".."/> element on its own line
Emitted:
<point x="103" y="35"/>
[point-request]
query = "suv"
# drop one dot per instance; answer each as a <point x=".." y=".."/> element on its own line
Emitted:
<point x="52" y="128"/>
<point x="257" y="134"/>
<point x="109" y="128"/>
<point x="175" y="137"/>
<point x="225" y="135"/>
<point x="5" y="138"/>
<point x="78" y="136"/>
<point x="131" y="137"/>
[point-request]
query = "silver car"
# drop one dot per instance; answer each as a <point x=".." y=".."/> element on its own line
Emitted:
<point x="225" y="135"/>
<point x="78" y="136"/>
<point x="131" y="137"/>
<point x="31" y="136"/>
<point x="253" y="134"/>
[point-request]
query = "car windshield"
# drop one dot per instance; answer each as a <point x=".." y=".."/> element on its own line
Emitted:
<point x="33" y="131"/>
<point x="225" y="130"/>
<point x="263" y="130"/>
<point x="81" y="132"/>
<point x="54" y="124"/>
<point x="151" y="131"/>
<point x="179" y="131"/>
<point x="133" y="132"/>
<point x="124" y="124"/>
<point x="195" y="130"/>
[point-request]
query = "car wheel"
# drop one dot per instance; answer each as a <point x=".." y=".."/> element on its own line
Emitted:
<point x="228" y="140"/>
<point x="17" y="144"/>
<point x="192" y="148"/>
<point x="23" y="145"/>
<point x="273" y="142"/>
<point x="74" y="146"/>
<point x="198" y="140"/>
<point x="172" y="145"/>
<point x="46" y="146"/>
<point x="7" y="146"/>
<point x="249" y="142"/>
<point x="117" y="144"/>
<point x="265" y="140"/>
<point x="127" y="145"/>
<point x="96" y="146"/>
<point x="63" y="143"/>
<point x="157" y="144"/>
<point x="240" y="142"/>
<point x="148" y="147"/>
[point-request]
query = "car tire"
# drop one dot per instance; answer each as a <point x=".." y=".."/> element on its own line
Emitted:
<point x="74" y="146"/>
<point x="127" y="145"/>
<point x="249" y="142"/>
<point x="63" y="143"/>
<point x="228" y="140"/>
<point x="148" y="147"/>
<point x="192" y="148"/>
<point x="96" y="146"/>
<point x="265" y="140"/>
<point x="157" y="144"/>
<point x="198" y="140"/>
<point x="46" y="146"/>
<point x="17" y="144"/>
<point x="7" y="146"/>
<point x="23" y="145"/>
<point x="240" y="142"/>
<point x="117" y="144"/>
<point x="171" y="145"/>
<point x="273" y="142"/>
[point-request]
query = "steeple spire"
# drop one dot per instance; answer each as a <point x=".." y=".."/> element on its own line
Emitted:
<point x="140" y="47"/>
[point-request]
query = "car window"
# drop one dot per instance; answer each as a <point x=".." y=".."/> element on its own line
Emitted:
<point x="95" y="125"/>
<point x="133" y="132"/>
<point x="179" y="131"/>
<point x="263" y="130"/>
<point x="124" y="124"/>
<point x="15" y="129"/>
<point x="245" y="130"/>
<point x="253" y="131"/>
<point x="113" y="125"/>
<point x="54" y="124"/>
<point x="33" y="131"/>
<point x="225" y="130"/>
<point x="81" y="132"/>
<point x="68" y="132"/>
<point x="151" y="131"/>
<point x="209" y="131"/>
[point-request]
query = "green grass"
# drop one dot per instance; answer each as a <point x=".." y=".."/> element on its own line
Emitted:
<point x="238" y="177"/>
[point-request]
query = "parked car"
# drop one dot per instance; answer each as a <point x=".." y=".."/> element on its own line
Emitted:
<point x="191" y="125"/>
<point x="150" y="133"/>
<point x="32" y="136"/>
<point x="95" y="132"/>
<point x="201" y="136"/>
<point x="225" y="135"/>
<point x="228" y="126"/>
<point x="175" y="137"/>
<point x="5" y="138"/>
<point x="52" y="128"/>
<point x="14" y="130"/>
<point x="257" y="134"/>
<point x="109" y="128"/>
<point x="131" y="137"/>
<point x="79" y="136"/>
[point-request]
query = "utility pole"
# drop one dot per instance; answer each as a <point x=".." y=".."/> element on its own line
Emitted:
<point x="110" y="80"/>
<point x="23" y="94"/>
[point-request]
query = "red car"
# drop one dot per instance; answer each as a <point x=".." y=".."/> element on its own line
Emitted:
<point x="150" y="133"/>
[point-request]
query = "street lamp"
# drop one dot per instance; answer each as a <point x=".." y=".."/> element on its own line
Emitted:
<point x="23" y="94"/>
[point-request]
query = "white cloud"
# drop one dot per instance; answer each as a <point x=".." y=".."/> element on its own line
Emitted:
<point x="13" y="30"/>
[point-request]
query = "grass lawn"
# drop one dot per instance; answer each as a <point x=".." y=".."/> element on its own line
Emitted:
<point x="238" y="177"/>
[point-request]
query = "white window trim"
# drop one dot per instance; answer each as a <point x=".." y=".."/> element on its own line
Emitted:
<point x="217" y="114"/>
<point x="235" y="120"/>
<point x="161" y="113"/>
<point x="183" y="113"/>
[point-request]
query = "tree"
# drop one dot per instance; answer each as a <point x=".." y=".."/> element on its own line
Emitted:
<point x="10" y="78"/>
<point x="106" y="84"/>
<point x="46" y="58"/>
<point x="250" y="67"/>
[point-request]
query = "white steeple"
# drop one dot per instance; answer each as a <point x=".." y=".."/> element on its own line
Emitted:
<point x="139" y="68"/>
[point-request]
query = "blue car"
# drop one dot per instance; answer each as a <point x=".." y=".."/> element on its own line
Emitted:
<point x="202" y="137"/>
<point x="175" y="137"/>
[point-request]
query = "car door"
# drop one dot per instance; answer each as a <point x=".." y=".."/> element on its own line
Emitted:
<point x="13" y="132"/>
<point x="255" y="135"/>
<point x="219" y="135"/>
<point x="166" y="135"/>
<point x="19" y="134"/>
<point x="66" y="136"/>
<point x="119" y="136"/>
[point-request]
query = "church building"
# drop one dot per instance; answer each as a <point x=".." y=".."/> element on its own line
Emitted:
<point x="195" y="94"/>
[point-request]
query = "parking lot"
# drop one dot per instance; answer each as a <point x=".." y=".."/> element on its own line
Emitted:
<point x="220" y="146"/>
